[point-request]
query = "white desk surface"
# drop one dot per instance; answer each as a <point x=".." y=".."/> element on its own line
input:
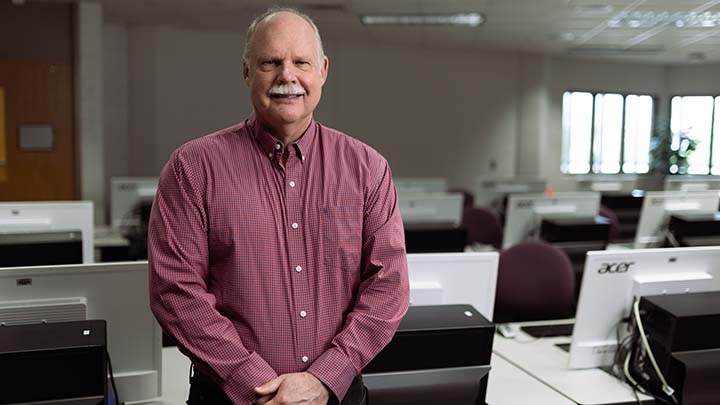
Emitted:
<point x="105" y="236"/>
<point x="546" y="362"/>
<point x="507" y="385"/>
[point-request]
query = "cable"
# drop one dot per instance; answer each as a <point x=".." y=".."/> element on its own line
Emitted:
<point x="669" y="391"/>
<point x="112" y="379"/>
<point x="671" y="238"/>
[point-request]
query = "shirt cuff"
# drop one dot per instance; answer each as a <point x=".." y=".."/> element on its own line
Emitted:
<point x="335" y="370"/>
<point x="240" y="386"/>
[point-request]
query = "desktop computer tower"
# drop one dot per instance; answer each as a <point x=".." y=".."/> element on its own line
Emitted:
<point x="53" y="363"/>
<point x="439" y="354"/>
<point x="40" y="248"/>
<point x="435" y="238"/>
<point x="694" y="229"/>
<point x="685" y="341"/>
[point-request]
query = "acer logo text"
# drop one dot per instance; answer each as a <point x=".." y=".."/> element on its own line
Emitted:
<point x="621" y="267"/>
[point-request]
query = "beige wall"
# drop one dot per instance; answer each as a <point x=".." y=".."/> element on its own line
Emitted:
<point x="430" y="111"/>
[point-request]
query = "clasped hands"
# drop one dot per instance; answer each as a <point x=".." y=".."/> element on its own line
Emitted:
<point x="294" y="388"/>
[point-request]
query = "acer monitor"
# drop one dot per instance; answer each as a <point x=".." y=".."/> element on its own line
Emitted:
<point x="659" y="205"/>
<point x="420" y="184"/>
<point x="692" y="183"/>
<point x="115" y="292"/>
<point x="128" y="194"/>
<point x="613" y="278"/>
<point x="454" y="278"/>
<point x="431" y="208"/>
<point x="604" y="183"/>
<point x="492" y="191"/>
<point x="37" y="217"/>
<point x="525" y="212"/>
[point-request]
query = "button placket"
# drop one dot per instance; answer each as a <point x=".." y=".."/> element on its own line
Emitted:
<point x="296" y="251"/>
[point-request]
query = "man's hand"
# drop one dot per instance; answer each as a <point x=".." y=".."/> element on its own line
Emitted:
<point x="293" y="388"/>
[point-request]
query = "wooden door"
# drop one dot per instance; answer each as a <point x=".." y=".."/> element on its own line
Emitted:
<point x="37" y="95"/>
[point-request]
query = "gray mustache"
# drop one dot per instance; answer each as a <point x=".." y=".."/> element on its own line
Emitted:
<point x="286" y="89"/>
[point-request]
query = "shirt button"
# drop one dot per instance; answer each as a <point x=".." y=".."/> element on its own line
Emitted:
<point x="292" y="184"/>
<point x="304" y="359"/>
<point x="270" y="155"/>
<point x="303" y="158"/>
<point x="298" y="269"/>
<point x="303" y="314"/>
<point x="277" y="146"/>
<point x="294" y="225"/>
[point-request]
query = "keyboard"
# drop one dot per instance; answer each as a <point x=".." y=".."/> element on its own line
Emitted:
<point x="540" y="331"/>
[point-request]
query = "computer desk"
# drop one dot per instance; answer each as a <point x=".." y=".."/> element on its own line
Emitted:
<point x="110" y="245"/>
<point x="508" y="385"/>
<point x="105" y="236"/>
<point x="546" y="362"/>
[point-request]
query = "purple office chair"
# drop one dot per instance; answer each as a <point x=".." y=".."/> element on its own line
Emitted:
<point x="483" y="226"/>
<point x="468" y="197"/>
<point x="614" y="222"/>
<point x="536" y="281"/>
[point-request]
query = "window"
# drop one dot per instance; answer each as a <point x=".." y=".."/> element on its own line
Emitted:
<point x="606" y="132"/>
<point x="698" y="118"/>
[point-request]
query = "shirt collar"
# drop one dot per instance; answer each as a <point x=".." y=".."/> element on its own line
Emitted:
<point x="272" y="147"/>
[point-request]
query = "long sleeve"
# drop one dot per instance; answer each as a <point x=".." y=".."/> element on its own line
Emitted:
<point x="179" y="276"/>
<point x="383" y="295"/>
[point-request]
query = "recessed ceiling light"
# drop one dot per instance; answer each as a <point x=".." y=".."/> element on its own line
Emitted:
<point x="465" y="19"/>
<point x="567" y="36"/>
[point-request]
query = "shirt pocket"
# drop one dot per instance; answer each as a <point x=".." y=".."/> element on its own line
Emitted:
<point x="341" y="228"/>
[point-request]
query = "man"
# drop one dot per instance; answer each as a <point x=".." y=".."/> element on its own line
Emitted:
<point x="277" y="256"/>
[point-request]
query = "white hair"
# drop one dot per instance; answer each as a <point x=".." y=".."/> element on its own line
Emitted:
<point x="268" y="15"/>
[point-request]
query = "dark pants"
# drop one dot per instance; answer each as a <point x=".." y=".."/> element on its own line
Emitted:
<point x="203" y="391"/>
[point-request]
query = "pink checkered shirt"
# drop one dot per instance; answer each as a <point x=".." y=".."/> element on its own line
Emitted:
<point x="261" y="266"/>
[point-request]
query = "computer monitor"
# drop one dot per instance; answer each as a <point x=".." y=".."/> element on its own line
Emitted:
<point x="40" y="248"/>
<point x="525" y="212"/>
<point x="128" y="194"/>
<point x="659" y="205"/>
<point x="431" y="208"/>
<point x="454" y="278"/>
<point x="420" y="184"/>
<point x="692" y="183"/>
<point x="491" y="191"/>
<point x="612" y="279"/>
<point x="29" y="217"/>
<point x="606" y="182"/>
<point x="114" y="292"/>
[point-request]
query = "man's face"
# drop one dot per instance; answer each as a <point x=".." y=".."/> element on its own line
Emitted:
<point x="283" y="72"/>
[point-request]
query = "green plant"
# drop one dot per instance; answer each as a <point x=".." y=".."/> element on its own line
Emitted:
<point x="668" y="157"/>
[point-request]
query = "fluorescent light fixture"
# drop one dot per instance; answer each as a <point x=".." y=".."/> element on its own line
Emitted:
<point x="615" y="50"/>
<point x="649" y="19"/>
<point x="466" y="19"/>
<point x="593" y="9"/>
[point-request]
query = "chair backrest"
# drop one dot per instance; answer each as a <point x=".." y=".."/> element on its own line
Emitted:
<point x="614" y="222"/>
<point x="483" y="226"/>
<point x="536" y="281"/>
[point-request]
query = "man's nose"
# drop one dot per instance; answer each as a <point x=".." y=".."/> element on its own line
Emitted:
<point x="287" y="73"/>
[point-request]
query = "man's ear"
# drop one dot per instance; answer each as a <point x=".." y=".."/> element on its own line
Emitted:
<point x="324" y="69"/>
<point x="246" y="73"/>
